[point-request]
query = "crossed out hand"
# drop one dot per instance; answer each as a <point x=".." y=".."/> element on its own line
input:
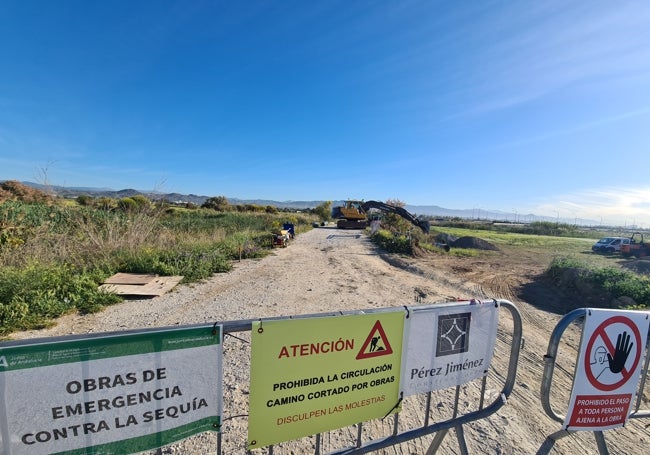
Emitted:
<point x="621" y="353"/>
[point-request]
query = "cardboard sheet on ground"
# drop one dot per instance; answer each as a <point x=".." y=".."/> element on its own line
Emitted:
<point x="109" y="394"/>
<point x="317" y="374"/>
<point x="608" y="370"/>
<point x="448" y="345"/>
<point x="143" y="285"/>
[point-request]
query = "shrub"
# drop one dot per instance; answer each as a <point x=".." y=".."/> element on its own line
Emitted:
<point x="77" y="246"/>
<point x="559" y="265"/>
<point x="609" y="280"/>
<point x="31" y="296"/>
<point x="392" y="243"/>
<point x="12" y="189"/>
<point x="218" y="203"/>
<point x="244" y="245"/>
<point x="324" y="211"/>
<point x="85" y="200"/>
<point x="621" y="283"/>
<point x="192" y="263"/>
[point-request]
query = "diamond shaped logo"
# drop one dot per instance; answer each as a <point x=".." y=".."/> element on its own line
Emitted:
<point x="453" y="334"/>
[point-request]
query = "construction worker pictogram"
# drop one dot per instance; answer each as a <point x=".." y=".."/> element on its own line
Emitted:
<point x="376" y="343"/>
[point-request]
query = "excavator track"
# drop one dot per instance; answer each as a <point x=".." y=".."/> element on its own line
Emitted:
<point x="351" y="224"/>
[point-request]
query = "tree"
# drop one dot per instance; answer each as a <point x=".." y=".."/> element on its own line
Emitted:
<point x="324" y="211"/>
<point x="393" y="221"/>
<point x="84" y="199"/>
<point x="218" y="203"/>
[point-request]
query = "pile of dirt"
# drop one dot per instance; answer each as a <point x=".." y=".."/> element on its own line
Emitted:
<point x="473" y="242"/>
<point x="446" y="238"/>
<point x="640" y="266"/>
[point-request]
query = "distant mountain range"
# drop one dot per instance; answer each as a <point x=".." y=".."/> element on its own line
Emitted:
<point x="428" y="210"/>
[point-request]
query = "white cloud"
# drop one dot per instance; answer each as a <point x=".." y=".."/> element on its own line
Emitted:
<point x="614" y="205"/>
<point x="531" y="52"/>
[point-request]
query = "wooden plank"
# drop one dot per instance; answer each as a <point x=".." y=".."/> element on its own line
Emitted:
<point x="159" y="285"/>
<point x="130" y="278"/>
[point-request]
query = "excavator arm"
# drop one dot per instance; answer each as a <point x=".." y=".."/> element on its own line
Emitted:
<point x="422" y="224"/>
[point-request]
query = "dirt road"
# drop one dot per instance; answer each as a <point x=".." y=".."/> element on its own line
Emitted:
<point x="333" y="270"/>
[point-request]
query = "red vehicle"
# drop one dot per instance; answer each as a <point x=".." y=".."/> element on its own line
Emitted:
<point x="637" y="247"/>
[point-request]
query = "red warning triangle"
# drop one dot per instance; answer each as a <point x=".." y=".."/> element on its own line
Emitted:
<point x="376" y="344"/>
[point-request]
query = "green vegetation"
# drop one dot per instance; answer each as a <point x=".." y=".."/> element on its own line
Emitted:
<point x="324" y="211"/>
<point x="611" y="281"/>
<point x="54" y="253"/>
<point x="563" y="245"/>
<point x="393" y="242"/>
<point x="571" y="262"/>
<point x="546" y="228"/>
<point x="397" y="236"/>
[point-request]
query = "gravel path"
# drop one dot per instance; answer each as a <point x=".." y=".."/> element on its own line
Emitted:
<point x="327" y="270"/>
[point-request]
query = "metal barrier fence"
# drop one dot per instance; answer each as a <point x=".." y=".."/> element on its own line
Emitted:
<point x="441" y="428"/>
<point x="421" y="414"/>
<point x="550" y="360"/>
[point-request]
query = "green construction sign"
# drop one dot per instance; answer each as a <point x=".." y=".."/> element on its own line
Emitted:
<point x="316" y="374"/>
<point x="111" y="393"/>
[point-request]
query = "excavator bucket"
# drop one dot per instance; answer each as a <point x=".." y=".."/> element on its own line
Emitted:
<point x="424" y="225"/>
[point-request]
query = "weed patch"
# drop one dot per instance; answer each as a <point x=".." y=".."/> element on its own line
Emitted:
<point x="55" y="254"/>
<point x="392" y="243"/>
<point x="34" y="295"/>
<point x="614" y="282"/>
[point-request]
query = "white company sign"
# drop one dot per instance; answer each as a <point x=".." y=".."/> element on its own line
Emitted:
<point x="448" y="345"/>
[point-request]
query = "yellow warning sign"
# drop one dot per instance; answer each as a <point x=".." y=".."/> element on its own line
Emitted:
<point x="316" y="374"/>
<point x="376" y="344"/>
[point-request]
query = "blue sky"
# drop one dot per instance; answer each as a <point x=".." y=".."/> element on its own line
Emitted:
<point x="519" y="106"/>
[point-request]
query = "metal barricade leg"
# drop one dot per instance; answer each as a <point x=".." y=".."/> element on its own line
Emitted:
<point x="437" y="440"/>
<point x="549" y="442"/>
<point x="600" y="442"/>
<point x="462" y="444"/>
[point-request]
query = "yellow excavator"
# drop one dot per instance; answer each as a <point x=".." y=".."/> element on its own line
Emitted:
<point x="354" y="214"/>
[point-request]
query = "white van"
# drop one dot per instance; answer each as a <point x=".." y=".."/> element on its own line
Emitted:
<point x="610" y="245"/>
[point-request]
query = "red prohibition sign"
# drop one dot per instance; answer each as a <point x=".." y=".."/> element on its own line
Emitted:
<point x="600" y="332"/>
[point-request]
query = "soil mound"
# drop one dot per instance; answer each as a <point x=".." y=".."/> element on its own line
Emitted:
<point x="446" y="238"/>
<point x="640" y="266"/>
<point x="473" y="242"/>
